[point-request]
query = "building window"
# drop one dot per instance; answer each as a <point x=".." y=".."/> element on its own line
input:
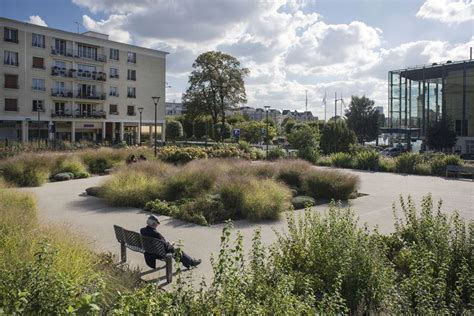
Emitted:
<point x="131" y="74"/>
<point x="114" y="54"/>
<point x="38" y="40"/>
<point x="11" y="81"/>
<point x="38" y="62"/>
<point x="132" y="57"/>
<point x="38" y="84"/>
<point x="114" y="73"/>
<point x="461" y="127"/>
<point x="38" y="105"/>
<point x="10" y="35"/>
<point x="60" y="108"/>
<point x="11" y="105"/>
<point x="131" y="110"/>
<point x="114" y="91"/>
<point x="88" y="52"/>
<point x="113" y="109"/>
<point x="10" y="58"/>
<point x="131" y="92"/>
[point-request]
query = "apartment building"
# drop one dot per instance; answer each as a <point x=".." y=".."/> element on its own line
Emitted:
<point x="60" y="85"/>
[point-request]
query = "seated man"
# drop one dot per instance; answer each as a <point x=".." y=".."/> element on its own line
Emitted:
<point x="150" y="231"/>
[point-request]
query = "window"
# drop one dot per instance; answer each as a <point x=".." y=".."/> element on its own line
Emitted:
<point x="114" y="73"/>
<point x="10" y="58"/>
<point x="11" y="105"/>
<point x="114" y="54"/>
<point x="38" y="62"/>
<point x="10" y="35"/>
<point x="131" y="74"/>
<point x="11" y="81"/>
<point x="89" y="52"/>
<point x="37" y="40"/>
<point x="38" y="84"/>
<point x="131" y="92"/>
<point x="132" y="57"/>
<point x="114" y="91"/>
<point x="38" y="105"/>
<point x="131" y="110"/>
<point x="113" y="109"/>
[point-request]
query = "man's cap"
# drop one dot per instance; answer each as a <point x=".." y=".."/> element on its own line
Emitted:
<point x="154" y="218"/>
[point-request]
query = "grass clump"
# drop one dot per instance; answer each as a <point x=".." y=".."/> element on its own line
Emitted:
<point x="27" y="170"/>
<point x="71" y="164"/>
<point x="99" y="160"/>
<point x="341" y="160"/>
<point x="367" y="160"/>
<point x="330" y="184"/>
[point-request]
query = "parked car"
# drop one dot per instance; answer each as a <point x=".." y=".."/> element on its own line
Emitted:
<point x="393" y="151"/>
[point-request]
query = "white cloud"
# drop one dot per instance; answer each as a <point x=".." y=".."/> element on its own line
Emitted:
<point x="36" y="19"/>
<point x="113" y="26"/>
<point x="447" y="11"/>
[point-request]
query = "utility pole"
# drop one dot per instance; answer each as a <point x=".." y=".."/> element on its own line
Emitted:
<point x="325" y="106"/>
<point x="335" y="105"/>
<point x="306" y="106"/>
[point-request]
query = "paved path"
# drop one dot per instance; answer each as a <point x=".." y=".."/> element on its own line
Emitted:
<point x="64" y="203"/>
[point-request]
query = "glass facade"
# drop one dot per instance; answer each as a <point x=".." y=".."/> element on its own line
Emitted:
<point x="420" y="96"/>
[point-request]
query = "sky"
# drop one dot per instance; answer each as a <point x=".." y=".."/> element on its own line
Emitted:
<point x="289" y="46"/>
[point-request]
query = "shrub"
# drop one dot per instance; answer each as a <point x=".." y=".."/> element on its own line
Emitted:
<point x="292" y="173"/>
<point x="305" y="138"/>
<point x="367" y="160"/>
<point x="324" y="161"/>
<point x="71" y="164"/>
<point x="174" y="130"/>
<point x="439" y="162"/>
<point x="27" y="170"/>
<point x="99" y="160"/>
<point x="406" y="162"/>
<point x="161" y="207"/>
<point x="302" y="201"/>
<point x="177" y="155"/>
<point x="387" y="164"/>
<point x="423" y="168"/>
<point x="131" y="189"/>
<point x="336" y="137"/>
<point x="276" y="153"/>
<point x="330" y="184"/>
<point x="341" y="160"/>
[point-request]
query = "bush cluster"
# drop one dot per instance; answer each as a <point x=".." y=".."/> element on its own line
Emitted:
<point x="180" y="155"/>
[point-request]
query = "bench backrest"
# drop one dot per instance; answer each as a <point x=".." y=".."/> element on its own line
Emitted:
<point x="453" y="168"/>
<point x="466" y="169"/>
<point x="136" y="242"/>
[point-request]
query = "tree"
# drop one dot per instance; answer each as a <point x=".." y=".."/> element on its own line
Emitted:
<point x="254" y="131"/>
<point x="216" y="84"/>
<point x="336" y="137"/>
<point x="288" y="124"/>
<point x="363" y="119"/>
<point x="441" y="135"/>
<point x="305" y="138"/>
<point x="174" y="130"/>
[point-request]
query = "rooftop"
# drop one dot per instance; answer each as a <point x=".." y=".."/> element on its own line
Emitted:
<point x="432" y="71"/>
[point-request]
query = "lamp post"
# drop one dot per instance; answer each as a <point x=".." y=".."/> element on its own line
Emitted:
<point x="38" y="109"/>
<point x="140" y="110"/>
<point x="266" y="134"/>
<point x="155" y="100"/>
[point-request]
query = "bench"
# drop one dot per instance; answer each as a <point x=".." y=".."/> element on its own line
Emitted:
<point x="136" y="242"/>
<point x="457" y="170"/>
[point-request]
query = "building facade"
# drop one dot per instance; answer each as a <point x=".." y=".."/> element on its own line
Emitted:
<point x="174" y="108"/>
<point x="421" y="95"/>
<point x="60" y="85"/>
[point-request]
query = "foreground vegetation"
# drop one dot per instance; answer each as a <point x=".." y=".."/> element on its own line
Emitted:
<point x="214" y="190"/>
<point x="322" y="264"/>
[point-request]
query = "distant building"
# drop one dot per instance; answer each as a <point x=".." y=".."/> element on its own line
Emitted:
<point x="299" y="116"/>
<point x="174" y="108"/>
<point x="379" y="109"/>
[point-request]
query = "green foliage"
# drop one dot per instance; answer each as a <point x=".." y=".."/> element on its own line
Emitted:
<point x="330" y="184"/>
<point x="423" y="168"/>
<point x="406" y="162"/>
<point x="440" y="161"/>
<point x="189" y="182"/>
<point x="362" y="118"/>
<point x="336" y="136"/>
<point x="302" y="201"/>
<point x="226" y="133"/>
<point x="71" y="164"/>
<point x="341" y="160"/>
<point x="288" y="124"/>
<point x="293" y="173"/>
<point x="254" y="131"/>
<point x="27" y="170"/>
<point x="387" y="164"/>
<point x="305" y="138"/>
<point x="174" y="130"/>
<point x="175" y="154"/>
<point x="97" y="161"/>
<point x="367" y="160"/>
<point x="275" y="153"/>
<point x="441" y="135"/>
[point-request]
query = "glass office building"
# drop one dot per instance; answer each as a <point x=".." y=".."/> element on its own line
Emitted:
<point x="419" y="96"/>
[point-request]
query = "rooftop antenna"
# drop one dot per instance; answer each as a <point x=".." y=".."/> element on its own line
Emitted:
<point x="77" y="24"/>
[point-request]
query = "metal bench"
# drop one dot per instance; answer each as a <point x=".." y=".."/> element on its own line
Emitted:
<point x="457" y="170"/>
<point x="136" y="242"/>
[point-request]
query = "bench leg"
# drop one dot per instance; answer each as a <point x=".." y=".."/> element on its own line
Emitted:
<point x="169" y="268"/>
<point x="123" y="253"/>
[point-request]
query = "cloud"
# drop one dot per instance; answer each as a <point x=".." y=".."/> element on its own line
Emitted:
<point x="447" y="11"/>
<point x="36" y="19"/>
<point x="113" y="26"/>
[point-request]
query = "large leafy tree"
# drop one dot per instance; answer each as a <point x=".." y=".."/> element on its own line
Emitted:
<point x="305" y="137"/>
<point x="441" y="135"/>
<point x="336" y="136"/>
<point x="216" y="84"/>
<point x="363" y="119"/>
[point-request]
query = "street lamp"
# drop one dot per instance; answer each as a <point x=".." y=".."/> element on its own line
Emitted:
<point x="140" y="110"/>
<point x="155" y="100"/>
<point x="266" y="136"/>
<point x="38" y="109"/>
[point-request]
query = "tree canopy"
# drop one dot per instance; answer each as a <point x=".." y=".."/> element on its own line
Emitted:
<point x="216" y="84"/>
<point x="363" y="119"/>
<point x="336" y="136"/>
<point x="441" y="135"/>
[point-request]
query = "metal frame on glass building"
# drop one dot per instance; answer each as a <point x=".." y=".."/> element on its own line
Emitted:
<point x="419" y="96"/>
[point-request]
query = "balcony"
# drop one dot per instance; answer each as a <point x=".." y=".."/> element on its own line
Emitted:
<point x="61" y="113"/>
<point x="88" y="75"/>
<point x="69" y="52"/>
<point x="91" y="96"/>
<point x="62" y="93"/>
<point x="114" y="76"/>
<point x="94" y="114"/>
<point x="63" y="72"/>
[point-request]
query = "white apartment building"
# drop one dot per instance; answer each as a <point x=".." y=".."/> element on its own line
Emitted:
<point x="60" y="85"/>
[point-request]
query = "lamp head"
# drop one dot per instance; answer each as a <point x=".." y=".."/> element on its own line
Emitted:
<point x="156" y="100"/>
<point x="140" y="110"/>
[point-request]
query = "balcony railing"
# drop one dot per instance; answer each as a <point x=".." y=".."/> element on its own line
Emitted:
<point x="91" y="96"/>
<point x="69" y="52"/>
<point x="62" y="93"/>
<point x="78" y="74"/>
<point x="61" y="113"/>
<point x="114" y="76"/>
<point x="94" y="114"/>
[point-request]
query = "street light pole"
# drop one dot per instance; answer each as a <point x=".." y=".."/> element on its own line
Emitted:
<point x="38" y="109"/>
<point x="155" y="100"/>
<point x="266" y="134"/>
<point x="140" y="110"/>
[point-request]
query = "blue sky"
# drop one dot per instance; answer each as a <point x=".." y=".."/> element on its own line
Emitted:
<point x="327" y="46"/>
